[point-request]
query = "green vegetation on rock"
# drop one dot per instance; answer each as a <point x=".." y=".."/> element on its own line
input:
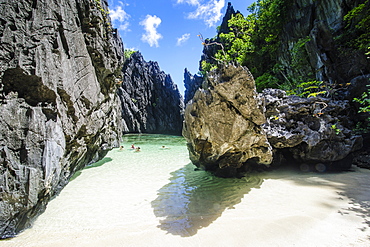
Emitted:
<point x="128" y="53"/>
<point x="259" y="41"/>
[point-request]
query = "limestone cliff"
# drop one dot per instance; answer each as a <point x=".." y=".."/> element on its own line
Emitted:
<point x="59" y="63"/>
<point x="311" y="46"/>
<point x="310" y="43"/>
<point x="151" y="102"/>
<point x="315" y="132"/>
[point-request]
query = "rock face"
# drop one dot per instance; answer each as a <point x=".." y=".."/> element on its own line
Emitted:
<point x="151" y="102"/>
<point x="223" y="123"/>
<point x="209" y="51"/>
<point x="312" y="130"/>
<point x="319" y="24"/>
<point x="312" y="46"/>
<point x="59" y="110"/>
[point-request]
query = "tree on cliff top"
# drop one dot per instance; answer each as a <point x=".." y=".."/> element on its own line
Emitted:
<point x="255" y="41"/>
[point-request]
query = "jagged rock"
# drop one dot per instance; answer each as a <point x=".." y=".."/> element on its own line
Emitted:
<point x="151" y="102"/>
<point x="192" y="84"/>
<point x="209" y="50"/>
<point x="59" y="110"/>
<point x="312" y="130"/>
<point x="223" y="123"/>
<point x="362" y="157"/>
<point x="224" y="27"/>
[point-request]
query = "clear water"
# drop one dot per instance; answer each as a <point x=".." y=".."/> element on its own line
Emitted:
<point x="155" y="197"/>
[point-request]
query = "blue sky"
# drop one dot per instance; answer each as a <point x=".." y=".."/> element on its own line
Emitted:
<point x="166" y="30"/>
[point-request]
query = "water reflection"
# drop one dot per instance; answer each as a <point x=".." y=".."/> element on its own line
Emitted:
<point x="194" y="199"/>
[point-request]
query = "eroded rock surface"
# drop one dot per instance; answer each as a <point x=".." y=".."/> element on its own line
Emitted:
<point x="223" y="127"/>
<point x="59" y="110"/>
<point x="223" y="123"/>
<point x="312" y="130"/>
<point x="321" y="23"/>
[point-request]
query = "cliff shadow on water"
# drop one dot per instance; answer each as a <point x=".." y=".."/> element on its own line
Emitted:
<point x="194" y="199"/>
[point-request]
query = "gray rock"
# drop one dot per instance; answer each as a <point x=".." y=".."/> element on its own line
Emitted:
<point x="320" y="23"/>
<point x="151" y="102"/>
<point x="59" y="61"/>
<point x="223" y="123"/>
<point x="223" y="127"/>
<point x="312" y="130"/>
<point x="315" y="132"/>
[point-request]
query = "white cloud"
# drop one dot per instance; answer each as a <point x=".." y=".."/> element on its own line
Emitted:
<point x="151" y="35"/>
<point x="124" y="27"/>
<point x="210" y="11"/>
<point x="183" y="39"/>
<point x="191" y="2"/>
<point x="120" y="18"/>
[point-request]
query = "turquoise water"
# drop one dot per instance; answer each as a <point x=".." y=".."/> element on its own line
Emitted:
<point x="192" y="199"/>
<point x="155" y="197"/>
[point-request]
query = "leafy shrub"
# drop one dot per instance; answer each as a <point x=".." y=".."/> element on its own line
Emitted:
<point x="207" y="67"/>
<point x="128" y="53"/>
<point x="358" y="25"/>
<point x="364" y="102"/>
<point x="266" y="81"/>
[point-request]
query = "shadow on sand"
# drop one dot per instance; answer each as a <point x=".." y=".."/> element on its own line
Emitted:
<point x="93" y="165"/>
<point x="194" y="199"/>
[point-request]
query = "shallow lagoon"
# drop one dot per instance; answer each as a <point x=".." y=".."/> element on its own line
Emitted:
<point x="155" y="198"/>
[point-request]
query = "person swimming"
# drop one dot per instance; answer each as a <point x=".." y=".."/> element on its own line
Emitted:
<point x="137" y="149"/>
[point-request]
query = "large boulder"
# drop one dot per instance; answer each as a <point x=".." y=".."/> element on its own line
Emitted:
<point x="151" y="101"/>
<point x="59" y="62"/>
<point x="223" y="123"/>
<point x="229" y="127"/>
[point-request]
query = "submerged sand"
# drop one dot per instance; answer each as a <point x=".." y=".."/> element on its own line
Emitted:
<point x="162" y="206"/>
